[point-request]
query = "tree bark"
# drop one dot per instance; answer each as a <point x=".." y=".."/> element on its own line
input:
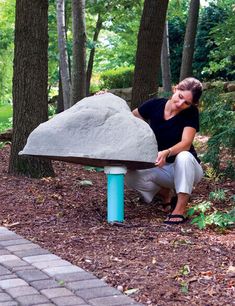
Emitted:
<point x="63" y="54"/>
<point x="189" y="40"/>
<point x="79" y="51"/>
<point x="60" y="103"/>
<point x="148" y="50"/>
<point x="165" y="61"/>
<point x="92" y="53"/>
<point x="30" y="100"/>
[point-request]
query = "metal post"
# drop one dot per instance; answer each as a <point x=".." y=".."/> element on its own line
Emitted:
<point x="115" y="193"/>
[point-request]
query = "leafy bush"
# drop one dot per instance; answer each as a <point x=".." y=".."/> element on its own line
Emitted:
<point x="117" y="78"/>
<point x="217" y="120"/>
<point x="205" y="218"/>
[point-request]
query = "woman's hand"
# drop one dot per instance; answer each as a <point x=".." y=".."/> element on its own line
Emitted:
<point x="161" y="158"/>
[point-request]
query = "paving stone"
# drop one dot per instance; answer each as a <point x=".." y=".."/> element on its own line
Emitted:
<point x="14" y="263"/>
<point x="47" y="304"/>
<point x="31" y="252"/>
<point x="21" y="291"/>
<point x="61" y="270"/>
<point x="7" y="276"/>
<point x="23" y="268"/>
<point x="56" y="292"/>
<point x="50" y="264"/>
<point x="21" y="247"/>
<point x="35" y="299"/>
<point x="4" y="252"/>
<point x="4" y="271"/>
<point x="45" y="284"/>
<point x="11" y="283"/>
<point x="40" y="258"/>
<point x="4" y="229"/>
<point x="32" y="275"/>
<point x="7" y="258"/>
<point x="68" y="301"/>
<point x="92" y="293"/>
<point x="13" y="242"/>
<point x="4" y="297"/>
<point x="112" y="301"/>
<point x="86" y="284"/>
<point x="76" y="276"/>
<point x="9" y="236"/>
<point x="134" y="303"/>
<point x="10" y="303"/>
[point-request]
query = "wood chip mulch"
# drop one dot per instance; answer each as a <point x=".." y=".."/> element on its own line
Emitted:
<point x="165" y="265"/>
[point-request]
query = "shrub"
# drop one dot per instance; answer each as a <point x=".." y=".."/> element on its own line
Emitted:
<point x="217" y="120"/>
<point x="117" y="78"/>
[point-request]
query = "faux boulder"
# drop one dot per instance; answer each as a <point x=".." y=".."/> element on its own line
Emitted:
<point x="97" y="131"/>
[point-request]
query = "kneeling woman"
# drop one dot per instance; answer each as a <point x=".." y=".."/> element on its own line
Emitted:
<point x="174" y="122"/>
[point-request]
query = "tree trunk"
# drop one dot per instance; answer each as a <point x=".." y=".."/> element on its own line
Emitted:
<point x="92" y="53"/>
<point x="60" y="102"/>
<point x="79" y="51"/>
<point x="30" y="100"/>
<point x="148" y="53"/>
<point x="165" y="61"/>
<point x="189" y="40"/>
<point x="62" y="43"/>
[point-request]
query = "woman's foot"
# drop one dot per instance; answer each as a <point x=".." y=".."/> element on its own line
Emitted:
<point x="169" y="206"/>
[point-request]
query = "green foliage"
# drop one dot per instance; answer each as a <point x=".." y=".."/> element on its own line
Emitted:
<point x="118" y="78"/>
<point x="205" y="218"/>
<point x="217" y="120"/>
<point x="6" y="125"/>
<point x="7" y="11"/>
<point x="217" y="195"/>
<point x="5" y="113"/>
<point x="222" y="56"/>
<point x="177" y="18"/>
<point x="51" y="111"/>
<point x="210" y="16"/>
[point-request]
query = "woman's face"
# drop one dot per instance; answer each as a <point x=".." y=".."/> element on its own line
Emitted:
<point x="181" y="99"/>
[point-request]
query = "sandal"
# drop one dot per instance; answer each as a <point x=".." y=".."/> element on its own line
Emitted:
<point x="170" y="206"/>
<point x="169" y="222"/>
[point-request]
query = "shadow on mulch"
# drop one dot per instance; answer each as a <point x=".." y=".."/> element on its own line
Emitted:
<point x="167" y="265"/>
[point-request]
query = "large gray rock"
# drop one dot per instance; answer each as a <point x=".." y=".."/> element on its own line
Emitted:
<point x="97" y="131"/>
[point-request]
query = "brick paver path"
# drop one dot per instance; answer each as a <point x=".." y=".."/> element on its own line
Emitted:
<point x="30" y="275"/>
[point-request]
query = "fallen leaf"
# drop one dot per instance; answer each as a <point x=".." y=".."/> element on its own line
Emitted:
<point x="131" y="291"/>
<point x="85" y="183"/>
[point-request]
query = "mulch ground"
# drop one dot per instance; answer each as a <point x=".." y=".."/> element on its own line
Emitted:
<point x="165" y="265"/>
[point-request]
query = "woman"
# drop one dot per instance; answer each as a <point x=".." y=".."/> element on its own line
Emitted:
<point x="174" y="123"/>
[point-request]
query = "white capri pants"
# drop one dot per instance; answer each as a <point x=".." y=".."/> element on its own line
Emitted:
<point x="181" y="175"/>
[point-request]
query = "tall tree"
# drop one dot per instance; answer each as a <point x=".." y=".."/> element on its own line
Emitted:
<point x="148" y="55"/>
<point x="165" y="61"/>
<point x="30" y="101"/>
<point x="62" y="43"/>
<point x="189" y="40"/>
<point x="79" y="51"/>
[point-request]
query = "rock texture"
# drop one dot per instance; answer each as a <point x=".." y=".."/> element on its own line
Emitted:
<point x="98" y="130"/>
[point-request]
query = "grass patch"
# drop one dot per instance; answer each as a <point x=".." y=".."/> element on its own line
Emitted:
<point x="5" y="113"/>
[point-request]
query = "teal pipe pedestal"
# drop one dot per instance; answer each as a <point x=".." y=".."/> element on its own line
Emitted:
<point x="115" y="193"/>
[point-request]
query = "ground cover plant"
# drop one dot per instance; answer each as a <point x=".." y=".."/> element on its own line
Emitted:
<point x="153" y="263"/>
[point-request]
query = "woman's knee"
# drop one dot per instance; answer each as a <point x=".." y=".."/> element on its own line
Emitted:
<point x="184" y="157"/>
